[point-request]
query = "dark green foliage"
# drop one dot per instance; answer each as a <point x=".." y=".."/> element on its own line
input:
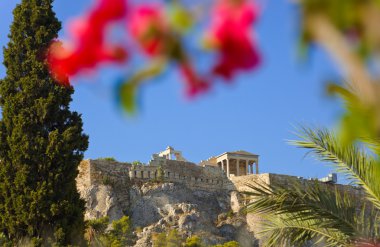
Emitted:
<point x="98" y="225"/>
<point x="228" y="244"/>
<point x="160" y="174"/>
<point x="173" y="238"/>
<point x="193" y="241"/>
<point x="106" y="180"/>
<point x="120" y="235"/>
<point x="137" y="163"/>
<point x="108" y="159"/>
<point x="41" y="140"/>
<point x="96" y="231"/>
<point x="169" y="239"/>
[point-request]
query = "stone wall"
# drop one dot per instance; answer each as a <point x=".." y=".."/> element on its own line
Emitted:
<point x="191" y="175"/>
<point x="104" y="185"/>
<point x="209" y="178"/>
<point x="196" y="177"/>
<point x="104" y="171"/>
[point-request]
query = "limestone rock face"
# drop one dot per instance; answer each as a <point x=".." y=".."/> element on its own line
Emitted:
<point x="192" y="208"/>
<point x="160" y="207"/>
<point x="100" y="202"/>
<point x="156" y="208"/>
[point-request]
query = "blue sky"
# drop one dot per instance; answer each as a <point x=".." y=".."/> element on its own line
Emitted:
<point x="256" y="113"/>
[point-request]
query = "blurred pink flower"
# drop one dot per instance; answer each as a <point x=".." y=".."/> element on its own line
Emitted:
<point x="231" y="34"/>
<point x="90" y="47"/>
<point x="194" y="83"/>
<point x="147" y="26"/>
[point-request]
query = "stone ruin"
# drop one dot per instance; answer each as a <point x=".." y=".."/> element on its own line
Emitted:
<point x="218" y="173"/>
<point x="154" y="194"/>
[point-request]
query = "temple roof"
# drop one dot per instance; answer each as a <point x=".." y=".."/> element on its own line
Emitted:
<point x="242" y="152"/>
<point x="238" y="153"/>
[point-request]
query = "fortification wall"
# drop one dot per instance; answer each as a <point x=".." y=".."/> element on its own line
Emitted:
<point x="101" y="171"/>
<point x="191" y="175"/>
<point x="240" y="183"/>
<point x="195" y="177"/>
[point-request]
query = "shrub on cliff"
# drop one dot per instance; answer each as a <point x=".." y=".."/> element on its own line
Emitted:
<point x="120" y="235"/>
<point x="168" y="239"/>
<point x="228" y="244"/>
<point x="108" y="159"/>
<point x="41" y="140"/>
<point x="193" y="241"/>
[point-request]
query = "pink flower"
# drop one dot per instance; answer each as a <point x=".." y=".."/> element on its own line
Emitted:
<point x="232" y="21"/>
<point x="90" y="47"/>
<point x="147" y="26"/>
<point x="195" y="85"/>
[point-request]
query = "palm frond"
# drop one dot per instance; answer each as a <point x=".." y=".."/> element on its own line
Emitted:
<point x="306" y="200"/>
<point x="285" y="230"/>
<point x="302" y="210"/>
<point x="351" y="160"/>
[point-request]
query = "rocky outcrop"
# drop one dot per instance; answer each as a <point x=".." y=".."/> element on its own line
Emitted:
<point x="193" y="205"/>
<point x="160" y="207"/>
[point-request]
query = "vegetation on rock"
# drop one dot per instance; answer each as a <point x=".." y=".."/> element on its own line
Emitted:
<point x="174" y="239"/>
<point x="120" y="234"/>
<point x="108" y="159"/>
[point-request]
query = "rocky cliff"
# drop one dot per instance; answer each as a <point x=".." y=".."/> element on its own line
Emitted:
<point x="157" y="206"/>
<point x="166" y="194"/>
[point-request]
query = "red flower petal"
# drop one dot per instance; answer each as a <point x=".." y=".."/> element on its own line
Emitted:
<point x="148" y="28"/>
<point x="230" y="29"/>
<point x="195" y="84"/>
<point x="90" y="48"/>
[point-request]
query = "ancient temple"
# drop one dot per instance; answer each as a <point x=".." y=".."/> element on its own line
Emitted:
<point x="237" y="163"/>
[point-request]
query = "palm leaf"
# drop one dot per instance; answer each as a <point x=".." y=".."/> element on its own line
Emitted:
<point x="307" y="200"/>
<point x="285" y="230"/>
<point x="301" y="211"/>
<point x="351" y="160"/>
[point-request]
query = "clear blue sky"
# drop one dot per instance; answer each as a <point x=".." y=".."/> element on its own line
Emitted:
<point x="255" y="114"/>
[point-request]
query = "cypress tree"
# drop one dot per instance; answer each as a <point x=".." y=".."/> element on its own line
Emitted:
<point x="41" y="140"/>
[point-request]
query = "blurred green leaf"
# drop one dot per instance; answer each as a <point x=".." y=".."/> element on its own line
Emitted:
<point x="180" y="18"/>
<point x="128" y="90"/>
<point x="359" y="121"/>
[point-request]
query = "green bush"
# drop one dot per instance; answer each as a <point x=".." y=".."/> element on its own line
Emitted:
<point x="174" y="239"/>
<point x="193" y="241"/>
<point x="120" y="235"/>
<point x="108" y="159"/>
<point x="106" y="180"/>
<point x="170" y="239"/>
<point x="228" y="244"/>
<point x="137" y="163"/>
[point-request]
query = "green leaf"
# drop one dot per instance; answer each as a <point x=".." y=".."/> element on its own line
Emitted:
<point x="180" y="18"/>
<point x="128" y="90"/>
<point x="128" y="97"/>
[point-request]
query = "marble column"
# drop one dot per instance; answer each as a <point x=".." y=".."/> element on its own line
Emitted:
<point x="228" y="167"/>
<point x="246" y="167"/>
<point x="237" y="167"/>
